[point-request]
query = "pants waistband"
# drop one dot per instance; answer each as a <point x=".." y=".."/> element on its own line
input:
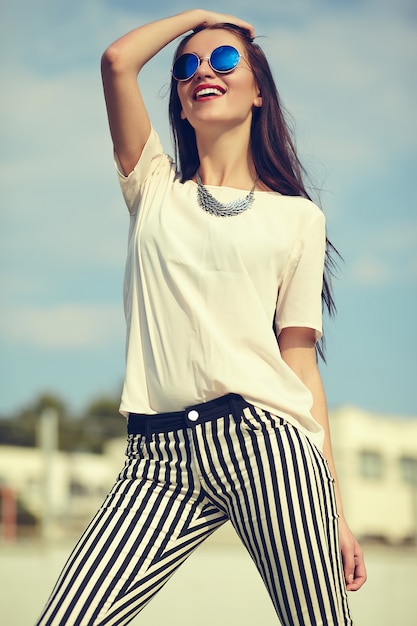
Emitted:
<point x="143" y="424"/>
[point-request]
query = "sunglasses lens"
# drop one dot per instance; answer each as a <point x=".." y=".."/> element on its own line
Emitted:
<point x="185" y="66"/>
<point x="224" y="58"/>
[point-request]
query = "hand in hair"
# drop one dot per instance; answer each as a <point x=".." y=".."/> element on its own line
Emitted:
<point x="210" y="18"/>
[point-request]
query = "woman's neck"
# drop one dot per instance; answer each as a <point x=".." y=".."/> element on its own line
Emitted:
<point x="226" y="160"/>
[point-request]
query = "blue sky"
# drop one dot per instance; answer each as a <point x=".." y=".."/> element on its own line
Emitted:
<point x="346" y="72"/>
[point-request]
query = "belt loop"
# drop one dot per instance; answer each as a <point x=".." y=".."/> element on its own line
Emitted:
<point x="234" y="408"/>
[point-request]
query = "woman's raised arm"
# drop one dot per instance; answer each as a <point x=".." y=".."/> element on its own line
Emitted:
<point x="120" y="66"/>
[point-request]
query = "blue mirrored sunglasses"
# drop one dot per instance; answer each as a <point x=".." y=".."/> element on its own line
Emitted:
<point x="223" y="59"/>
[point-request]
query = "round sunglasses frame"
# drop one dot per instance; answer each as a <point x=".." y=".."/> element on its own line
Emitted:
<point x="209" y="60"/>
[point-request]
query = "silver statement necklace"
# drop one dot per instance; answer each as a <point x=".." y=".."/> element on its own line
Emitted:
<point x="209" y="204"/>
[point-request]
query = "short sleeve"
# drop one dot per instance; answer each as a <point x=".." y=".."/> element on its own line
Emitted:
<point x="151" y="157"/>
<point x="299" y="298"/>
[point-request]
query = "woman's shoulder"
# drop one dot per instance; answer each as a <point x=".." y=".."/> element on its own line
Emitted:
<point x="296" y="205"/>
<point x="153" y="167"/>
<point x="152" y="160"/>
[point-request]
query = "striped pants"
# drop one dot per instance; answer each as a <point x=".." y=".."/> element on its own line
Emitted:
<point x="223" y="460"/>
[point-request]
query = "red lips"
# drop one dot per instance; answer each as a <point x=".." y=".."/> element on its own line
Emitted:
<point x="209" y="88"/>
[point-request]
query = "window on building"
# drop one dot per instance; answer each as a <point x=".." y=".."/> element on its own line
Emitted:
<point x="371" y="465"/>
<point x="77" y="488"/>
<point x="408" y="469"/>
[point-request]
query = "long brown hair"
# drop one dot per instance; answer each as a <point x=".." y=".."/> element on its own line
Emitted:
<point x="271" y="142"/>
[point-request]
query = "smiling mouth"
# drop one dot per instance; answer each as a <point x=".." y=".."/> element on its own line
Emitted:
<point x="207" y="92"/>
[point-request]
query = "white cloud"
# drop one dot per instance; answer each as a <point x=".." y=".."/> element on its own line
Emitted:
<point x="400" y="236"/>
<point x="54" y="126"/>
<point x="355" y="92"/>
<point x="60" y="196"/>
<point x="69" y="326"/>
<point x="370" y="271"/>
<point x="387" y="254"/>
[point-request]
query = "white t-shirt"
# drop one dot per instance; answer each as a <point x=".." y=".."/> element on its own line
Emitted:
<point x="201" y="294"/>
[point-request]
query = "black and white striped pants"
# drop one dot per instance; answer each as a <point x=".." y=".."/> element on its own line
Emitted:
<point x="224" y="460"/>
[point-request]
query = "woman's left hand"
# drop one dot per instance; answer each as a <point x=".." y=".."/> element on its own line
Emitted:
<point x="353" y="559"/>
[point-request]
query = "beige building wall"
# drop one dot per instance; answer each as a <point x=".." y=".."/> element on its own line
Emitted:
<point x="76" y="485"/>
<point x="376" y="462"/>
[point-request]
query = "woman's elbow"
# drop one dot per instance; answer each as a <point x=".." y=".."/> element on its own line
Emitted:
<point x="111" y="60"/>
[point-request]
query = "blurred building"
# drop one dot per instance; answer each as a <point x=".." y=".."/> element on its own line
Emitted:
<point x="376" y="460"/>
<point x="66" y="487"/>
<point x="376" y="463"/>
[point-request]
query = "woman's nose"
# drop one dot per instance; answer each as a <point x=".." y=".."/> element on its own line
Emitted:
<point x="204" y="69"/>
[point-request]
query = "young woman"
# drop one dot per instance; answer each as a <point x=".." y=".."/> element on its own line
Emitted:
<point x="223" y="298"/>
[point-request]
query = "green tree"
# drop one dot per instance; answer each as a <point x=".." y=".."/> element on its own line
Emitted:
<point x="102" y="421"/>
<point x="99" y="422"/>
<point x="22" y="429"/>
